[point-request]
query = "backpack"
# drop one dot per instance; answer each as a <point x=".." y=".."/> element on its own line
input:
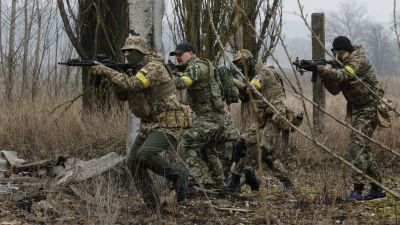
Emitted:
<point x="224" y="77"/>
<point x="230" y="92"/>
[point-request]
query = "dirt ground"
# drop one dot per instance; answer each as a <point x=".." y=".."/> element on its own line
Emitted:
<point x="109" y="200"/>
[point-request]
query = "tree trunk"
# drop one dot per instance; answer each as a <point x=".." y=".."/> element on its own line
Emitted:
<point x="249" y="37"/>
<point x="35" y="72"/>
<point x="1" y="45"/>
<point x="103" y="29"/>
<point x="27" y="34"/>
<point x="145" y="19"/>
<point x="9" y="81"/>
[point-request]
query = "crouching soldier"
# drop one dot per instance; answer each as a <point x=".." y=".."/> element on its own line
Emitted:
<point x="151" y="95"/>
<point x="270" y="123"/>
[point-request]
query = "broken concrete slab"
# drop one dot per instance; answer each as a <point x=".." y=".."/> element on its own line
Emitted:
<point x="89" y="169"/>
<point x="9" y="158"/>
<point x="12" y="158"/>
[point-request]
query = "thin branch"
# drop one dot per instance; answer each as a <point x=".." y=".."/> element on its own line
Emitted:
<point x="67" y="26"/>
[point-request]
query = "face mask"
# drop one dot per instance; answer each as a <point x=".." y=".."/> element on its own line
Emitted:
<point x="135" y="57"/>
<point x="340" y="55"/>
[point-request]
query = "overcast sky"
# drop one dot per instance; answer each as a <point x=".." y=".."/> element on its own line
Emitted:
<point x="379" y="10"/>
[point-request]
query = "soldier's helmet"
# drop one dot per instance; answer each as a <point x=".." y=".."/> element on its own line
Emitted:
<point x="243" y="54"/>
<point x="137" y="42"/>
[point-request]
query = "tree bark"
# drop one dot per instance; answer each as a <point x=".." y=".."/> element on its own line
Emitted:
<point x="145" y="19"/>
<point x="35" y="72"/>
<point x="102" y="29"/>
<point x="28" y="21"/>
<point x="9" y="81"/>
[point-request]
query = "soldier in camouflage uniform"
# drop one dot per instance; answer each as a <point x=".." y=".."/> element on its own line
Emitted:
<point x="361" y="107"/>
<point x="206" y="101"/>
<point x="151" y="95"/>
<point x="270" y="124"/>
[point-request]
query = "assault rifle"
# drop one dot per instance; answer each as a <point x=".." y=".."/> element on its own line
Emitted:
<point x="299" y="66"/>
<point x="175" y="68"/>
<point x="102" y="58"/>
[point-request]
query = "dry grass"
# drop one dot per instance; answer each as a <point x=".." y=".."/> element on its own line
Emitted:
<point x="29" y="129"/>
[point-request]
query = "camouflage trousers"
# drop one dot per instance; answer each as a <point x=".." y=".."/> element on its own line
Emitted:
<point x="146" y="154"/>
<point x="225" y="145"/>
<point x="364" y="119"/>
<point x="198" y="143"/>
<point x="269" y="141"/>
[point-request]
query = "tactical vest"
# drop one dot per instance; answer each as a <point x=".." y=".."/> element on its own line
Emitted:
<point x="147" y="106"/>
<point x="206" y="93"/>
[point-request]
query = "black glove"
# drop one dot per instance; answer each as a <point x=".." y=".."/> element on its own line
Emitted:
<point x="244" y="95"/>
<point x="307" y="65"/>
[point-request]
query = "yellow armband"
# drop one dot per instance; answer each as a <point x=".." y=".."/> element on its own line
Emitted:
<point x="143" y="78"/>
<point x="187" y="80"/>
<point x="350" y="70"/>
<point x="256" y="83"/>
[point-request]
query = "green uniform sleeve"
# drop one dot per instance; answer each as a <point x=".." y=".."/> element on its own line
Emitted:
<point x="189" y="77"/>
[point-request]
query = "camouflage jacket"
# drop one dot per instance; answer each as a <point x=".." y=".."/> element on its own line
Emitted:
<point x="204" y="91"/>
<point x="344" y="79"/>
<point x="155" y="83"/>
<point x="270" y="86"/>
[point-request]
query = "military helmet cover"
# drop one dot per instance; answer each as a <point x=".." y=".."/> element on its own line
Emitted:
<point x="244" y="53"/>
<point x="136" y="42"/>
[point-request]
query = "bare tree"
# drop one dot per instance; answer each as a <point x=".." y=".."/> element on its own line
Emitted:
<point x="148" y="25"/>
<point x="35" y="71"/>
<point x="395" y="25"/>
<point x="379" y="46"/>
<point x="28" y="22"/>
<point x="1" y="40"/>
<point x="101" y="28"/>
<point x="349" y="20"/>
<point x="9" y="81"/>
<point x="191" y="22"/>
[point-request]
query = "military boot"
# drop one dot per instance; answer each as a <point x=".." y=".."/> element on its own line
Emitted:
<point x="251" y="178"/>
<point x="286" y="182"/>
<point x="182" y="186"/>
<point x="375" y="192"/>
<point x="356" y="193"/>
<point x="234" y="183"/>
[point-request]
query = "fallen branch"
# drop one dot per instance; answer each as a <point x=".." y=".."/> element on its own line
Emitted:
<point x="233" y="209"/>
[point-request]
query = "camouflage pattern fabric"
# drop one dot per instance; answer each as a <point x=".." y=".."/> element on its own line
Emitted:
<point x="355" y="92"/>
<point x="270" y="123"/>
<point x="152" y="75"/>
<point x="364" y="119"/>
<point x="270" y="146"/>
<point x="270" y="86"/>
<point x="154" y="137"/>
<point x="362" y="107"/>
<point x="225" y="145"/>
<point x="138" y="43"/>
<point x="198" y="142"/>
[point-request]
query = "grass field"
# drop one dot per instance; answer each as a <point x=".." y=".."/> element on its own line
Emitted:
<point x="35" y="133"/>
